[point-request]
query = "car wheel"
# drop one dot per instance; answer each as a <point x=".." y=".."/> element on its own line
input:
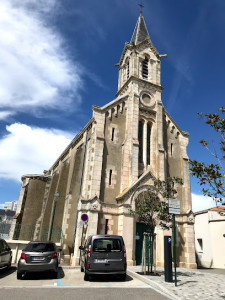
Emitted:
<point x="9" y="264"/>
<point x="123" y="276"/>
<point x="19" y="276"/>
<point x="86" y="276"/>
<point x="55" y="274"/>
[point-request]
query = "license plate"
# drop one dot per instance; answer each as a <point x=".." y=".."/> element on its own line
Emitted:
<point x="38" y="258"/>
<point x="101" y="261"/>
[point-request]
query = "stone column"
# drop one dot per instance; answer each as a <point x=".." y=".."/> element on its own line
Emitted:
<point x="129" y="166"/>
<point x="92" y="210"/>
<point x="126" y="228"/>
<point x="145" y="144"/>
<point x="158" y="75"/>
<point x="161" y="158"/>
<point x="185" y="241"/>
<point x="76" y="256"/>
<point x="97" y="157"/>
<point x="186" y="204"/>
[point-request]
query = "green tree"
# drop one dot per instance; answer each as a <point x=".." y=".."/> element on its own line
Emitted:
<point x="152" y="204"/>
<point x="212" y="176"/>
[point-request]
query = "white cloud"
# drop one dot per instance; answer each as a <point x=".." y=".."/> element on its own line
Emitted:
<point x="25" y="149"/>
<point x="5" y="114"/>
<point x="36" y="71"/>
<point x="201" y="202"/>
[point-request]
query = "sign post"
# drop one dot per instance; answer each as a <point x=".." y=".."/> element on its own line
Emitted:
<point x="174" y="251"/>
<point x="84" y="221"/>
<point x="174" y="208"/>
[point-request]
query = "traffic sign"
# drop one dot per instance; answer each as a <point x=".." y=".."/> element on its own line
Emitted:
<point x="83" y="223"/>
<point x="84" y="217"/>
<point x="174" y="206"/>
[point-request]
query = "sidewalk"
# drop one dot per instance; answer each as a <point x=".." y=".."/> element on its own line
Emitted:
<point x="191" y="284"/>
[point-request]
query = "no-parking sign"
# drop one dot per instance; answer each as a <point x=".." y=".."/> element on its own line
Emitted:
<point x="84" y="219"/>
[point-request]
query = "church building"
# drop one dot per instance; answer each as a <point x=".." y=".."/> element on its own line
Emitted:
<point x="127" y="143"/>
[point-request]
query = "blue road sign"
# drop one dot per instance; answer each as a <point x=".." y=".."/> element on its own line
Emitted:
<point x="84" y="217"/>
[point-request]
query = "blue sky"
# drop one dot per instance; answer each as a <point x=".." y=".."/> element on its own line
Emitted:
<point x="57" y="59"/>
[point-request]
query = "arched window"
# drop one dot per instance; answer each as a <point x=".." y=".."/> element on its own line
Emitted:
<point x="140" y="139"/>
<point x="148" y="144"/>
<point x="145" y="68"/>
<point x="128" y="69"/>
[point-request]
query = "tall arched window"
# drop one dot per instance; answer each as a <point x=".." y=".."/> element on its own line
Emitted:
<point x="148" y="144"/>
<point x="140" y="139"/>
<point x="127" y="68"/>
<point x="145" y="68"/>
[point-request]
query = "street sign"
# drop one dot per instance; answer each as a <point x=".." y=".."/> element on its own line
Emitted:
<point x="174" y="206"/>
<point x="83" y="223"/>
<point x="84" y="217"/>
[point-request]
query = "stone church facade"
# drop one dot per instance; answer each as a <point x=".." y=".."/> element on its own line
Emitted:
<point x="116" y="156"/>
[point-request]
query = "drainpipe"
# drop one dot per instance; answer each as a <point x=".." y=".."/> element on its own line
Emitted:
<point x="80" y="185"/>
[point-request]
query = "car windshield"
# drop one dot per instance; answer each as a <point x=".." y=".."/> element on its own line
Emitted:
<point x="107" y="245"/>
<point x="39" y="247"/>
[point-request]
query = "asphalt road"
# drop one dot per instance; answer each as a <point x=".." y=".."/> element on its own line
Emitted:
<point x="80" y="293"/>
<point x="71" y="285"/>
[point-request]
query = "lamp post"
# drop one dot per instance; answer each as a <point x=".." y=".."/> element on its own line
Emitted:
<point x="56" y="198"/>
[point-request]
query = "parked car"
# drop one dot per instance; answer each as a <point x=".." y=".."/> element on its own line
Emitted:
<point x="103" y="254"/>
<point x="5" y="255"/>
<point x="38" y="257"/>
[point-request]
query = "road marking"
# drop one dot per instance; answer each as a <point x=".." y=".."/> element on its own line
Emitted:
<point x="105" y="285"/>
<point x="58" y="282"/>
<point x="142" y="285"/>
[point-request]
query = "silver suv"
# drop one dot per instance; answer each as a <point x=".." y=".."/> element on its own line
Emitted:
<point x="38" y="257"/>
<point x="103" y="254"/>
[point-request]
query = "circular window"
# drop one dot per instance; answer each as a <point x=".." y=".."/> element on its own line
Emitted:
<point x="146" y="99"/>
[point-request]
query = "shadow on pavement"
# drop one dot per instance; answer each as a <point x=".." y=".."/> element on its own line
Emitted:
<point x="44" y="275"/>
<point x="188" y="274"/>
<point x="7" y="272"/>
<point x="109" y="278"/>
<point x="150" y="273"/>
<point x="186" y="282"/>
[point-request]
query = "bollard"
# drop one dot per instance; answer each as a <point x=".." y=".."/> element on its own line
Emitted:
<point x="168" y="259"/>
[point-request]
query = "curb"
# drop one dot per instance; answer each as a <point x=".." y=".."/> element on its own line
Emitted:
<point x="154" y="285"/>
<point x="69" y="267"/>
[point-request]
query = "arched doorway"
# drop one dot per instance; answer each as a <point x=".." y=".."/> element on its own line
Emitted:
<point x="140" y="227"/>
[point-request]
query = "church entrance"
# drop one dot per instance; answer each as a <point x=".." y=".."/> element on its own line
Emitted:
<point x="140" y="229"/>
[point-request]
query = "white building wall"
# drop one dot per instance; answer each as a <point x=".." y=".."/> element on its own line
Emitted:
<point x="217" y="234"/>
<point x="204" y="255"/>
<point x="210" y="227"/>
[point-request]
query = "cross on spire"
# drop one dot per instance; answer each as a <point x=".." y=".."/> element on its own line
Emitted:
<point x="141" y="6"/>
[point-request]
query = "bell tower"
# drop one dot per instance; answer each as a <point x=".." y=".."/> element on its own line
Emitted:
<point x="140" y="59"/>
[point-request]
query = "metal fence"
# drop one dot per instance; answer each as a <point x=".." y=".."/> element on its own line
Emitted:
<point x="29" y="232"/>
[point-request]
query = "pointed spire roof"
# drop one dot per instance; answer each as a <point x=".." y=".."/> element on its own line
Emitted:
<point x="140" y="31"/>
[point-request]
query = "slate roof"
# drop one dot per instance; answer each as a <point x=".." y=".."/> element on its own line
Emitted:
<point x="140" y="32"/>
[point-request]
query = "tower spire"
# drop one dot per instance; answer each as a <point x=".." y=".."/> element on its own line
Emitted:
<point x="140" y="31"/>
<point x="141" y="6"/>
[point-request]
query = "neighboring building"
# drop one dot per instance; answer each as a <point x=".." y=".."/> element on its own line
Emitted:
<point x="6" y="215"/>
<point x="11" y="205"/>
<point x="210" y="237"/>
<point x="6" y="219"/>
<point x="126" y="145"/>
